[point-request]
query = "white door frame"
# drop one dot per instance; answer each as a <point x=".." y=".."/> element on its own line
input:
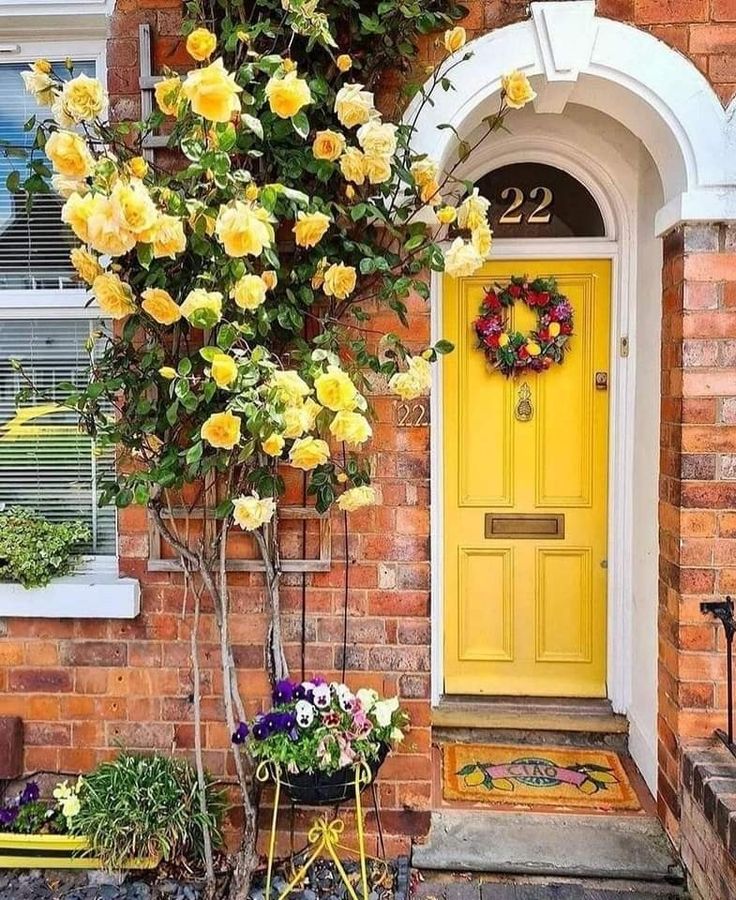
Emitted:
<point x="619" y="247"/>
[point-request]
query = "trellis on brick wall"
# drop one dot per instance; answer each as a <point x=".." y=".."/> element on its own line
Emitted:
<point x="147" y="82"/>
<point x="321" y="563"/>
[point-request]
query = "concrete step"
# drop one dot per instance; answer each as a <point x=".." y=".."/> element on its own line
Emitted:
<point x="513" y="888"/>
<point x="551" y="844"/>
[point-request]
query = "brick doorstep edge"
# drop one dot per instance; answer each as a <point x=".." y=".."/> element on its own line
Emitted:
<point x="709" y="777"/>
<point x="11" y="747"/>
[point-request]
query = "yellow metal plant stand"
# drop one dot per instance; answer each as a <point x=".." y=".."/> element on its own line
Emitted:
<point x="324" y="836"/>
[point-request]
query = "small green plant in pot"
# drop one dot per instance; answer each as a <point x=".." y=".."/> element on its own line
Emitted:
<point x="34" y="550"/>
<point x="140" y="806"/>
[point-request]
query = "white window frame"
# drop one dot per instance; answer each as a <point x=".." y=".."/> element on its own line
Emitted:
<point x="97" y="590"/>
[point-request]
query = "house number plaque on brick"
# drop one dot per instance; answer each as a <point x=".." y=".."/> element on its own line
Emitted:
<point x="411" y="413"/>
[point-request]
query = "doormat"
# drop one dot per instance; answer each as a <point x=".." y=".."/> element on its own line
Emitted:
<point x="536" y="776"/>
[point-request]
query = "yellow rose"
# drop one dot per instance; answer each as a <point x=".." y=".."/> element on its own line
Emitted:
<point x="310" y="228"/>
<point x="160" y="306"/>
<point x="553" y="329"/>
<point x="473" y="211"/>
<point x="503" y="340"/>
<point x="138" y="167"/>
<point x="86" y="265"/>
<point x="349" y="191"/>
<point x="354" y="105"/>
<point x="517" y="91"/>
<point x="462" y="259"/>
<point x="352" y="165"/>
<point x="447" y="215"/>
<point x="251" y="512"/>
<point x="350" y="427"/>
<point x="113" y="296"/>
<point x="430" y="193"/>
<point x="455" y="39"/>
<point x="328" y="145"/>
<point x="38" y="83"/>
<point x="222" y="430"/>
<point x="344" y="62"/>
<point x="168" y="237"/>
<point x="270" y="279"/>
<point x="76" y="212"/>
<point x="425" y="171"/>
<point x="287" y="95"/>
<point x="296" y="421"/>
<point x="249" y="291"/>
<point x="273" y="445"/>
<point x="377" y="138"/>
<point x="133" y="207"/>
<point x="533" y="348"/>
<point x="335" y="390"/>
<point x="482" y="238"/>
<point x="167" y="372"/>
<point x="202" y="308"/>
<point x="201" y="44"/>
<point x="224" y="370"/>
<point x="413" y="383"/>
<point x="357" y="497"/>
<point x="307" y="453"/>
<point x="213" y="92"/>
<point x="251" y="192"/>
<point x="290" y="387"/>
<point x="83" y="98"/>
<point x="168" y="95"/>
<point x="65" y="187"/>
<point x="377" y="168"/>
<point x="69" y="154"/>
<point x="244" y="229"/>
<point x="104" y="232"/>
<point x="311" y="410"/>
<point x="339" y="281"/>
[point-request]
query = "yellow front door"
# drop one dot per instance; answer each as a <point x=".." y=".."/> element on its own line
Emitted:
<point x="525" y="497"/>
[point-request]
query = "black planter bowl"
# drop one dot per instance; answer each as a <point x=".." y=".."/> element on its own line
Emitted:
<point x="320" y="789"/>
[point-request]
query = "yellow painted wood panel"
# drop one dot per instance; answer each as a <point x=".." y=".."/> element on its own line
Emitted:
<point x="526" y="616"/>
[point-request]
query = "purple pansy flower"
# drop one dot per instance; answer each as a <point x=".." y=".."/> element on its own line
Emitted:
<point x="30" y="794"/>
<point x="283" y="692"/>
<point x="8" y="815"/>
<point x="261" y="730"/>
<point x="240" y="733"/>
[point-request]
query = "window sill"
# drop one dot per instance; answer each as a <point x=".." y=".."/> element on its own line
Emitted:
<point x="87" y="595"/>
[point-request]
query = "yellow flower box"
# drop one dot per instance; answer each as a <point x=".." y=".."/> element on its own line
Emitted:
<point x="55" y="851"/>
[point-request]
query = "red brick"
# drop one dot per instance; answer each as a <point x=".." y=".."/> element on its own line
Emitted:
<point x="94" y="653"/>
<point x="651" y="11"/>
<point x="31" y="681"/>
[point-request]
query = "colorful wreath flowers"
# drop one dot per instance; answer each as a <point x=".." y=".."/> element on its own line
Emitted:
<point x="512" y="352"/>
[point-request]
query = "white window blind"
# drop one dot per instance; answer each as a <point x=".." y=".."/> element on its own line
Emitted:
<point x="46" y="463"/>
<point x="34" y="246"/>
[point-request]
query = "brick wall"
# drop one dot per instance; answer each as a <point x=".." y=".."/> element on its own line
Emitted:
<point x="697" y="488"/>
<point x="708" y="824"/>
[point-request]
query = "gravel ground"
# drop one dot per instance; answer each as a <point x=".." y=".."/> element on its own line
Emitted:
<point x="323" y="884"/>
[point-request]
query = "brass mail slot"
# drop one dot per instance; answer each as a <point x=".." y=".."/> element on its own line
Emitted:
<point x="525" y="526"/>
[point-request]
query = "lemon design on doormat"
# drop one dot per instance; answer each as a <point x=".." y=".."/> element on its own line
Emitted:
<point x="537" y="772"/>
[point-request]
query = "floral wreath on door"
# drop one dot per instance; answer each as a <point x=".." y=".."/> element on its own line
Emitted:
<point x="512" y="352"/>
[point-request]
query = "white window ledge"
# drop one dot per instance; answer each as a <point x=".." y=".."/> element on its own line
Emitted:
<point x="89" y="595"/>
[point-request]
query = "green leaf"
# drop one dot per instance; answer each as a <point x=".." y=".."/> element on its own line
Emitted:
<point x="12" y="182"/>
<point x="194" y="453"/>
<point x="300" y="123"/>
<point x="444" y="346"/>
<point x="185" y="366"/>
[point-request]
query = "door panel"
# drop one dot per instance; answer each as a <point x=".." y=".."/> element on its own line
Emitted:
<point x="526" y="615"/>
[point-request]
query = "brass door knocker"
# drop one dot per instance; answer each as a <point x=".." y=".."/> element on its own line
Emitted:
<point x="524" y="411"/>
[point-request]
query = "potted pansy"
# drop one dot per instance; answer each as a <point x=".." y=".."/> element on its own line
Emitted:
<point x="317" y="733"/>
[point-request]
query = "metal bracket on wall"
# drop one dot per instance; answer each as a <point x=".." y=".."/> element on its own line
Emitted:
<point x="147" y="82"/>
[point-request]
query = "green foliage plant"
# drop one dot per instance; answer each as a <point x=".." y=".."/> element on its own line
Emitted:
<point x="34" y="550"/>
<point x="251" y="277"/>
<point x="139" y="806"/>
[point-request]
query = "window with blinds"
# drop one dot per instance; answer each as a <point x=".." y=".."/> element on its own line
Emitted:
<point x="46" y="463"/>
<point x="34" y="244"/>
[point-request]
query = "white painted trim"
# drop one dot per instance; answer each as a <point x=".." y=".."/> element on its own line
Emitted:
<point x="56" y="8"/>
<point x="626" y="73"/>
<point x="84" y="596"/>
